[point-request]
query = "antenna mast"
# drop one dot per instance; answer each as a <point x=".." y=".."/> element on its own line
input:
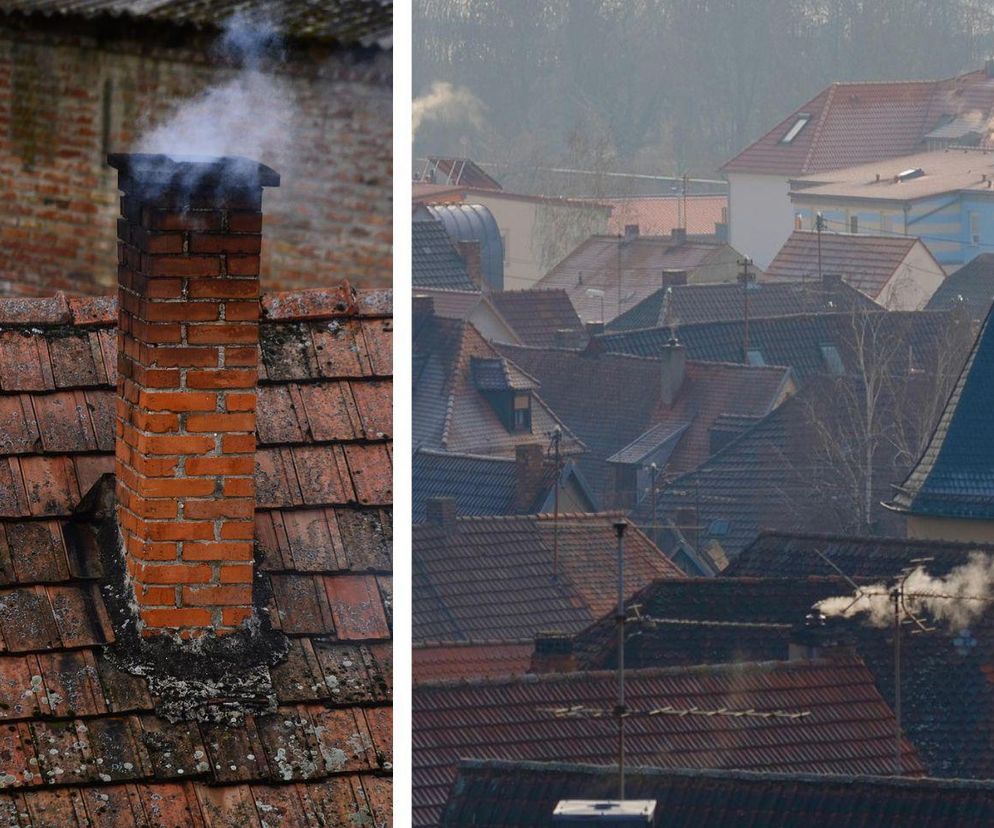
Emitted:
<point x="619" y="528"/>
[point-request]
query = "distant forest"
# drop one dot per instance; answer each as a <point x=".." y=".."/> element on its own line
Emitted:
<point x="658" y="86"/>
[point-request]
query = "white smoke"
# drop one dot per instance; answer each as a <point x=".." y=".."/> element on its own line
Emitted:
<point x="250" y="115"/>
<point x="956" y="600"/>
<point x="447" y="103"/>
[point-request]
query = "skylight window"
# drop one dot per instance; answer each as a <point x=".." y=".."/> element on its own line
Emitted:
<point x="755" y="357"/>
<point x="799" y="124"/>
<point x="833" y="360"/>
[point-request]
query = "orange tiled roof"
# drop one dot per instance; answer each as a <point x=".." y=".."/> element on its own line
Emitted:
<point x="660" y="215"/>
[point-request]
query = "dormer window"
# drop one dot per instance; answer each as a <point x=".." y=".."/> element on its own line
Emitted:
<point x="799" y="124"/>
<point x="522" y="412"/>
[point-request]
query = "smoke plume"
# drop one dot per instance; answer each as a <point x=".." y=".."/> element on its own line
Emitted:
<point x="955" y="601"/>
<point x="249" y="115"/>
<point x="447" y="103"/>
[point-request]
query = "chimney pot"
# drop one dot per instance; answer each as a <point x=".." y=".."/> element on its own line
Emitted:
<point x="679" y="235"/>
<point x="595" y="328"/>
<point x="674" y="277"/>
<point x="188" y="286"/>
<point x="631" y="231"/>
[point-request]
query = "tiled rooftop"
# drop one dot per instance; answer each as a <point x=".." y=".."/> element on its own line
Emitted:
<point x="435" y="262"/>
<point x="346" y="21"/>
<point x="609" y="400"/>
<point x="84" y="739"/>
<point x="450" y="411"/>
<point x="492" y="578"/>
<point x="855" y="123"/>
<point x="971" y="287"/>
<point x="798" y="341"/>
<point x="445" y="661"/>
<point x="954" y="477"/>
<point x="865" y="262"/>
<point x="536" y="316"/>
<point x="836" y="722"/>
<point x="594" y="265"/>
<point x="524" y="794"/>
<point x="690" y="304"/>
<point x="660" y="215"/>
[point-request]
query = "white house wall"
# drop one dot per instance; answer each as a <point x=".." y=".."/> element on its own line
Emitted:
<point x="760" y="215"/>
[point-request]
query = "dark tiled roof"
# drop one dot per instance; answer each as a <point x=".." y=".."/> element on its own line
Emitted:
<point x="707" y="621"/>
<point x="481" y="485"/>
<point x="610" y="400"/>
<point x="435" y="263"/>
<point x="865" y="262"/>
<point x="971" y="287"/>
<point x="854" y="123"/>
<point x="82" y="736"/>
<point x="946" y="686"/>
<point x="797" y="341"/>
<point x="446" y="661"/>
<point x="492" y="578"/>
<point x="689" y="304"/>
<point x="847" y="727"/>
<point x="595" y="263"/>
<point x="864" y="559"/>
<point x="344" y="21"/>
<point x="537" y="316"/>
<point x="787" y="473"/>
<point x="524" y="794"/>
<point x="450" y="412"/>
<point x="955" y="475"/>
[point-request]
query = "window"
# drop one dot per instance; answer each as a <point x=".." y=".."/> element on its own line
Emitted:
<point x="974" y="228"/>
<point x="799" y="124"/>
<point x="853" y="224"/>
<point x="522" y="412"/>
<point x="833" y="360"/>
<point x="755" y="357"/>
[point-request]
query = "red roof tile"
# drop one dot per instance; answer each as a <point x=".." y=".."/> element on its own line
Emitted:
<point x="660" y="215"/>
<point x="323" y="531"/>
<point x="854" y="123"/>
<point x="470" y="660"/>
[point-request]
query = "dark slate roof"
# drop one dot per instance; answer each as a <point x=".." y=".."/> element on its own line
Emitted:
<point x="492" y="578"/>
<point x="482" y="485"/>
<point x="955" y="475"/>
<point x="435" y="262"/>
<point x="796" y="341"/>
<point x="83" y="739"/>
<point x="946" y="685"/>
<point x="450" y="412"/>
<point x="685" y="621"/>
<point x="864" y="559"/>
<point x="689" y="304"/>
<point x="786" y="473"/>
<point x="345" y="21"/>
<point x="971" y="288"/>
<point x="847" y="727"/>
<point x="524" y="795"/>
<point x="610" y="400"/>
<point x="538" y="317"/>
<point x="865" y="262"/>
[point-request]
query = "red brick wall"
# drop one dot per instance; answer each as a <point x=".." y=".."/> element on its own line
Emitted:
<point x="67" y="100"/>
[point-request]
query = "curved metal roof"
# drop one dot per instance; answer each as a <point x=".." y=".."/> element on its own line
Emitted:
<point x="474" y="222"/>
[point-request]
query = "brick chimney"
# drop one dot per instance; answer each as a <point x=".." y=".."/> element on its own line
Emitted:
<point x="553" y="653"/>
<point x="672" y="371"/>
<point x="441" y="512"/>
<point x="188" y="284"/>
<point x="529" y="472"/>
<point x="471" y="254"/>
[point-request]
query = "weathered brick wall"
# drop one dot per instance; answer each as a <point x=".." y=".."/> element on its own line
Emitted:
<point x="66" y="100"/>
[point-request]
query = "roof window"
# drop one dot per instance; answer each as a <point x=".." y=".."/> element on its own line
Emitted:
<point x="833" y="360"/>
<point x="754" y="357"/>
<point x="799" y="124"/>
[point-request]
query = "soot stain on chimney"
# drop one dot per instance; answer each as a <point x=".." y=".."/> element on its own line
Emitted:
<point x="215" y="678"/>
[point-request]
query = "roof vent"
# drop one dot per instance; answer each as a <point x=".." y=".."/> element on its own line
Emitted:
<point x="908" y="175"/>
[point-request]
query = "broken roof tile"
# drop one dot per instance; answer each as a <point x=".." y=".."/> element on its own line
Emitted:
<point x="339" y="349"/>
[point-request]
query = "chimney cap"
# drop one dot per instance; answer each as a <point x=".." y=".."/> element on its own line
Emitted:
<point x="182" y="170"/>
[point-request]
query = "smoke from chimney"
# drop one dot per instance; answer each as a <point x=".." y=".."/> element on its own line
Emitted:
<point x="956" y="600"/>
<point x="448" y="104"/>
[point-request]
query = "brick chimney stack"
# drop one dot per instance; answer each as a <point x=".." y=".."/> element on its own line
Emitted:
<point x="188" y="285"/>
<point x="471" y="253"/>
<point x="529" y="473"/>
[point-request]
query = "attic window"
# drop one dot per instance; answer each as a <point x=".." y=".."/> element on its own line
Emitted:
<point x="799" y="124"/>
<point x="755" y="357"/>
<point x="522" y="412"/>
<point x="718" y="528"/>
<point x="833" y="361"/>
